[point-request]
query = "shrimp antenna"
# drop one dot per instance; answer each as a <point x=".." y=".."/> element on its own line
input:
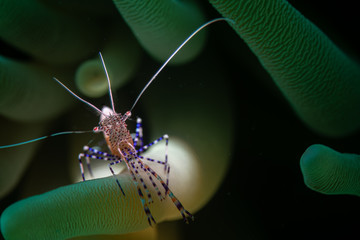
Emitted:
<point x="109" y="83"/>
<point x="59" y="133"/>
<point x="72" y="93"/>
<point x="176" y="51"/>
<point x="41" y="138"/>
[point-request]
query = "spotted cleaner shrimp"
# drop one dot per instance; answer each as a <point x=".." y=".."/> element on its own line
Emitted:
<point x="127" y="149"/>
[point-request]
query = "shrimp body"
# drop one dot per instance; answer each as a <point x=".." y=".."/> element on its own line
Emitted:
<point x="116" y="134"/>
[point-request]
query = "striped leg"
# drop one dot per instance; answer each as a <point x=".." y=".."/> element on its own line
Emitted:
<point x="113" y="173"/>
<point x="135" y="160"/>
<point x="159" y="162"/>
<point x="151" y="180"/>
<point x="184" y="213"/>
<point x="91" y="153"/>
<point x="95" y="151"/>
<point x="166" y="164"/>
<point x="81" y="155"/>
<point x="135" y="169"/>
<point x="142" y="198"/>
<point x="92" y="156"/>
<point x="138" y="140"/>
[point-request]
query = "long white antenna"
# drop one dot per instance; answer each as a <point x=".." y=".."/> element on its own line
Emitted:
<point x="175" y="52"/>
<point x="109" y="83"/>
<point x="72" y="93"/>
<point x="59" y="133"/>
<point x="41" y="138"/>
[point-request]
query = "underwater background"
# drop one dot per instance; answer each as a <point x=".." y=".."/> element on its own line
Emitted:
<point x="262" y="194"/>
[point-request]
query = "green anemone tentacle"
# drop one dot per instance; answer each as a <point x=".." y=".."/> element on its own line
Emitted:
<point x="319" y="80"/>
<point x="328" y="171"/>
<point x="24" y="88"/>
<point x="47" y="34"/>
<point x="161" y="26"/>
<point x="63" y="208"/>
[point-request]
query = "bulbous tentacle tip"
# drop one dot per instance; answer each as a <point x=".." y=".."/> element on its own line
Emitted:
<point x="121" y="56"/>
<point x="330" y="172"/>
<point x="90" y="79"/>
